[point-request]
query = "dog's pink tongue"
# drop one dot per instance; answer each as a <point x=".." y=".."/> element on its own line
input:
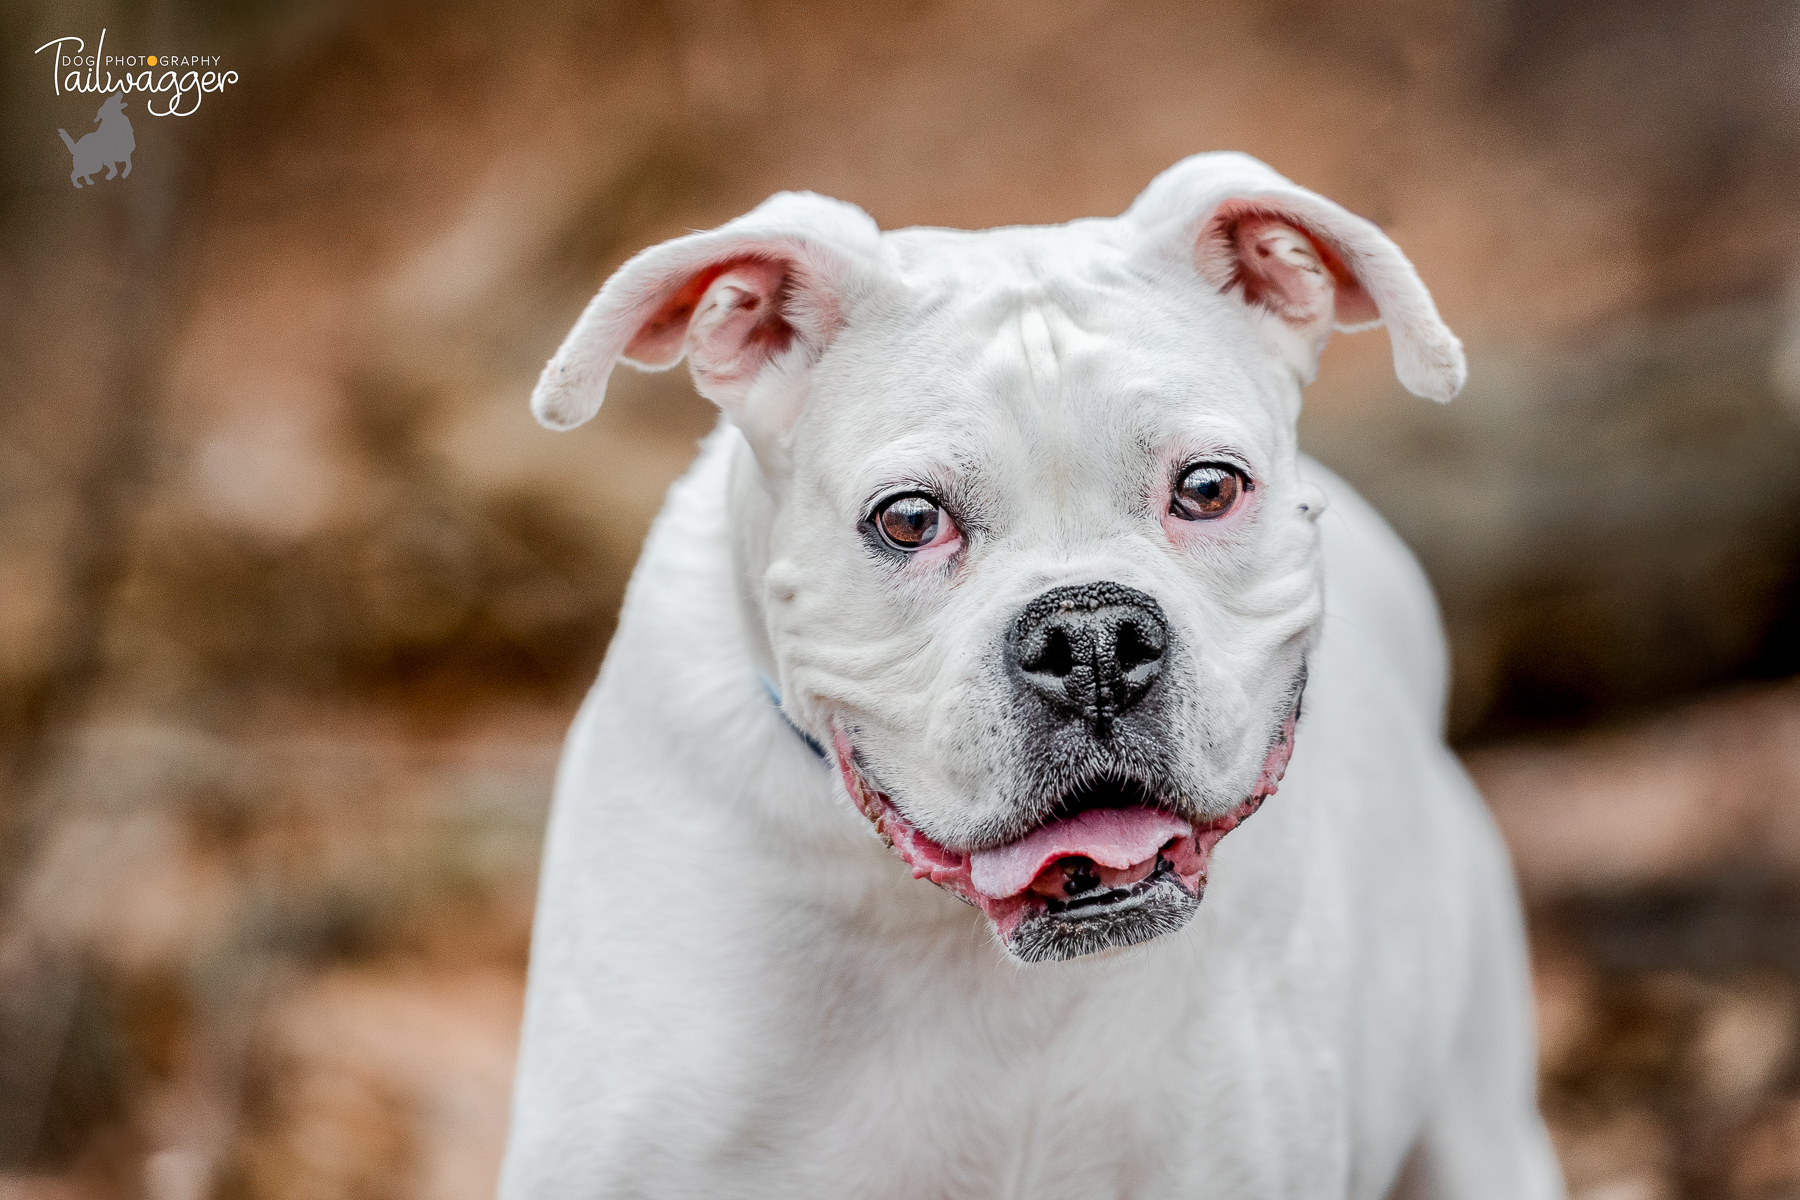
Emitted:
<point x="1113" y="837"/>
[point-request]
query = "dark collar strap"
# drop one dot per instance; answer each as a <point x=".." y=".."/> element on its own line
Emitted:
<point x="812" y="743"/>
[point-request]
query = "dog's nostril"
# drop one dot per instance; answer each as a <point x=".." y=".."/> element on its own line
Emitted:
<point x="1134" y="646"/>
<point x="1056" y="656"/>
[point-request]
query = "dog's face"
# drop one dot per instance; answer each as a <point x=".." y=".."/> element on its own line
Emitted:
<point x="1059" y="563"/>
<point x="1026" y="539"/>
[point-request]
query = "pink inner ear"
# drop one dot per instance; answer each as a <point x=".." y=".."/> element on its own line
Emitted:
<point x="739" y="325"/>
<point x="1284" y="267"/>
<point x="728" y="318"/>
<point x="659" y="340"/>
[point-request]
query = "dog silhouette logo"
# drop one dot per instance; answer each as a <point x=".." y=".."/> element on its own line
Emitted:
<point x="107" y="146"/>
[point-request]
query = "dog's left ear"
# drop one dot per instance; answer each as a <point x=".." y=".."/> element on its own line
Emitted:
<point x="750" y="304"/>
<point x="1303" y="265"/>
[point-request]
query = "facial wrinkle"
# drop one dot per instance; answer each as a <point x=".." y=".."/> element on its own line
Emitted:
<point x="1043" y="367"/>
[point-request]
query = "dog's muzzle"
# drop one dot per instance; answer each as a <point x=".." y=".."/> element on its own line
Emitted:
<point x="1113" y="865"/>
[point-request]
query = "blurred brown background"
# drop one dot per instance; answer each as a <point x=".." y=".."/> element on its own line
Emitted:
<point x="296" y="601"/>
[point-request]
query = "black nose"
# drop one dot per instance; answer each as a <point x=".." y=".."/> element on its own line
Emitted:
<point x="1092" y="650"/>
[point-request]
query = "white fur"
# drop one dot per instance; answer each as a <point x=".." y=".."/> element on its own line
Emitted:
<point x="736" y="990"/>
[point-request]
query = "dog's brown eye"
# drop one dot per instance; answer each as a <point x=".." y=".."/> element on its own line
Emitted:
<point x="1206" y="492"/>
<point x="910" y="522"/>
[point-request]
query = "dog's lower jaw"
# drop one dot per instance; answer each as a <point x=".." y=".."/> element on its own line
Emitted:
<point x="1164" y="905"/>
<point x="1024" y="923"/>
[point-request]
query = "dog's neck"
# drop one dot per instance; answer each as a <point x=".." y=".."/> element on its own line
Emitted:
<point x="751" y="512"/>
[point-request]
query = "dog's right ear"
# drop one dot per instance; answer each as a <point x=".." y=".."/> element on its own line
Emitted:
<point x="750" y="301"/>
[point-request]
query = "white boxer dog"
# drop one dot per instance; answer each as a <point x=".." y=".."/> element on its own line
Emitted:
<point x="921" y="837"/>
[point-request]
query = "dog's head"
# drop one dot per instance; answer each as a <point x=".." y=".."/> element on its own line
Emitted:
<point x="1024" y="543"/>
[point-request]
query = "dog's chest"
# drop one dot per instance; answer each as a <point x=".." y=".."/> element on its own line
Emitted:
<point x="939" y="1078"/>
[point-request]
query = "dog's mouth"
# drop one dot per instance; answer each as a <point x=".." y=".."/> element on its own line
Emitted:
<point x="1113" y="865"/>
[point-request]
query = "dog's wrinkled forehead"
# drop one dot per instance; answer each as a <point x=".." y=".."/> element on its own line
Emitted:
<point x="1031" y="349"/>
<point x="1036" y="322"/>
